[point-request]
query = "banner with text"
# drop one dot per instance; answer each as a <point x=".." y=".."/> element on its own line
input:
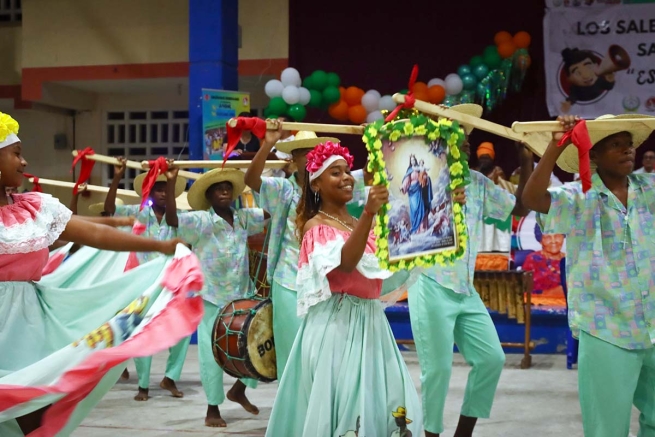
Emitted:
<point x="218" y="107"/>
<point x="600" y="60"/>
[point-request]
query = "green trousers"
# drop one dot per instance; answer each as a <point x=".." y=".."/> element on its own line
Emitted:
<point x="211" y="375"/>
<point x="285" y="324"/>
<point x="610" y="381"/>
<point x="174" y="364"/>
<point x="440" y="318"/>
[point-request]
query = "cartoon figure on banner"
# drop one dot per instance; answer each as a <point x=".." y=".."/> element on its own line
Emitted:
<point x="421" y="218"/>
<point x="586" y="76"/>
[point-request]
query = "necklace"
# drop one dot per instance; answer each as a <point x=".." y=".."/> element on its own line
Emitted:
<point x="336" y="220"/>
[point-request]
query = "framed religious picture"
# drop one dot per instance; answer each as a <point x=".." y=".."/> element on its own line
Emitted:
<point x="420" y="161"/>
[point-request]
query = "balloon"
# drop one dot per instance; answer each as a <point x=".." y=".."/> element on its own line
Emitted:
<point x="420" y="87"/>
<point x="357" y="114"/>
<point x="403" y="91"/>
<point x="342" y="91"/>
<point x="377" y="93"/>
<point x="354" y="96"/>
<point x="436" y="81"/>
<point x="475" y="61"/>
<point x="522" y="40"/>
<point x="481" y="71"/>
<point x="290" y="77"/>
<point x="467" y="97"/>
<point x="454" y="84"/>
<point x="490" y="50"/>
<point x="277" y="106"/>
<point x="308" y="83"/>
<point x="291" y="95"/>
<point x="315" y="99"/>
<point x="267" y="112"/>
<point x="436" y="94"/>
<point x="331" y="95"/>
<point x="463" y="70"/>
<point x="305" y="96"/>
<point x="506" y="49"/>
<point x="492" y="59"/>
<point x="469" y="81"/>
<point x="297" y="112"/>
<point x="421" y="95"/>
<point x="371" y="102"/>
<point x="273" y="88"/>
<point x="319" y="80"/>
<point x="451" y="100"/>
<point x="386" y="103"/>
<point x="374" y="116"/>
<point x="339" y="111"/>
<point x="333" y="79"/>
<point x="501" y="37"/>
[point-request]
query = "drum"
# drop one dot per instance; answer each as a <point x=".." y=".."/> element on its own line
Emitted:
<point x="257" y="266"/>
<point x="242" y="339"/>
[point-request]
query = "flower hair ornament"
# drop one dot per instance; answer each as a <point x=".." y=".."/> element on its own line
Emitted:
<point x="8" y="130"/>
<point x="323" y="156"/>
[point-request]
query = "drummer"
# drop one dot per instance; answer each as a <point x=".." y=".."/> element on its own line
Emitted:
<point x="280" y="196"/>
<point x="219" y="237"/>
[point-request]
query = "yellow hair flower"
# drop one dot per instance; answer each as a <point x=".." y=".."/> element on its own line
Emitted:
<point x="395" y="135"/>
<point x="7" y="126"/>
<point x="408" y="128"/>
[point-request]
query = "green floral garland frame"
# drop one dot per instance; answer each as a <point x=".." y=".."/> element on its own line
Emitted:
<point x="419" y="124"/>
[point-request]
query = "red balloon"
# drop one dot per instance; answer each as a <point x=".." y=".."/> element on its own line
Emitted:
<point x="436" y="94"/>
<point x="422" y="95"/>
<point x="339" y="110"/>
<point x="357" y="114"/>
<point x="522" y="40"/>
<point x="342" y="90"/>
<point x="506" y="49"/>
<point x="420" y="87"/>
<point x="353" y="96"/>
<point x="502" y="36"/>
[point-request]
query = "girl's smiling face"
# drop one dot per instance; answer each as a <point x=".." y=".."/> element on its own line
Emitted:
<point x="12" y="165"/>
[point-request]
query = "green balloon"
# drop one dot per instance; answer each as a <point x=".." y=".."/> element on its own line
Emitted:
<point x="333" y="79"/>
<point x="490" y="50"/>
<point x="475" y="61"/>
<point x="481" y="71"/>
<point x="277" y="106"/>
<point x="469" y="81"/>
<point x="297" y="112"/>
<point x="404" y="91"/>
<point x="463" y="70"/>
<point x="308" y="83"/>
<point x="319" y="80"/>
<point x="492" y="60"/>
<point x="316" y="98"/>
<point x="331" y="94"/>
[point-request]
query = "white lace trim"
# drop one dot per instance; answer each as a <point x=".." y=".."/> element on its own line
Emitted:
<point x="39" y="233"/>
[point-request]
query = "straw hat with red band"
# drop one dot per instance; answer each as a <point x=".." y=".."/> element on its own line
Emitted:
<point x="180" y="183"/>
<point x="569" y="159"/>
<point x="196" y="196"/>
<point x="303" y="140"/>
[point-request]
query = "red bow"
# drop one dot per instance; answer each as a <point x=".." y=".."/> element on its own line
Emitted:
<point x="256" y="125"/>
<point x="87" y="167"/>
<point x="35" y="181"/>
<point x="579" y="136"/>
<point x="409" y="98"/>
<point x="157" y="167"/>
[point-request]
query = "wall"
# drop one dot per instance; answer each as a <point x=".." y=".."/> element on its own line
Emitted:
<point x="264" y="29"/>
<point x="10" y="54"/>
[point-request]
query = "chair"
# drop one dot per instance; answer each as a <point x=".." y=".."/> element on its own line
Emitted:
<point x="571" y="343"/>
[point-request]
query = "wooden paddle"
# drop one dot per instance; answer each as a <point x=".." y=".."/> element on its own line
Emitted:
<point x="537" y="142"/>
<point x="610" y="124"/>
<point x="313" y="127"/>
<point x="95" y="188"/>
<point x="133" y="164"/>
<point x="219" y="164"/>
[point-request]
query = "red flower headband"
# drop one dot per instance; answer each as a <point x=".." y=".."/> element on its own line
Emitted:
<point x="318" y="158"/>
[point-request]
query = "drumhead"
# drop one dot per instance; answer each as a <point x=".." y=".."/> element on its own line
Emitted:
<point x="260" y="343"/>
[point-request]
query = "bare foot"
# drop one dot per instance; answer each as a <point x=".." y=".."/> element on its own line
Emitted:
<point x="214" y="419"/>
<point x="168" y="384"/>
<point x="238" y="394"/>
<point x="125" y="376"/>
<point x="142" y="395"/>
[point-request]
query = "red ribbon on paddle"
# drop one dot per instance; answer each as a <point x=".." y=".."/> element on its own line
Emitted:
<point x="157" y="167"/>
<point x="409" y="97"/>
<point x="86" y="169"/>
<point x="35" y="181"/>
<point x="256" y="125"/>
<point x="579" y="136"/>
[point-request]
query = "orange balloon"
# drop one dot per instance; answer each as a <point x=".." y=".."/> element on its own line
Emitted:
<point x="502" y="36"/>
<point x="357" y="114"/>
<point x="422" y="95"/>
<point x="522" y="40"/>
<point x="353" y="96"/>
<point x="339" y="110"/>
<point x="342" y="91"/>
<point x="436" y="94"/>
<point x="420" y="87"/>
<point x="506" y="49"/>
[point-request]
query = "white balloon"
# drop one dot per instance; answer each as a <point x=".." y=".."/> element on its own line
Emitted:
<point x="274" y="88"/>
<point x="290" y="77"/>
<point x="305" y="96"/>
<point x="436" y="81"/>
<point x="454" y="84"/>
<point x="377" y="93"/>
<point x="291" y="95"/>
<point x="374" y="116"/>
<point x="387" y="103"/>
<point x="371" y="101"/>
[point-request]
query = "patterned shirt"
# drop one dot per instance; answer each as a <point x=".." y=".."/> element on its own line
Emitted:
<point x="484" y="200"/>
<point x="222" y="250"/>
<point x="154" y="229"/>
<point x="610" y="260"/>
<point x="280" y="196"/>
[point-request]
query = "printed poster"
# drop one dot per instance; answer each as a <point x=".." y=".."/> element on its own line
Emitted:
<point x="218" y="107"/>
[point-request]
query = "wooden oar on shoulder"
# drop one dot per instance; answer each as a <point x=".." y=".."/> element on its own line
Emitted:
<point x="313" y="127"/>
<point x="93" y="188"/>
<point x="132" y="164"/>
<point x="610" y="125"/>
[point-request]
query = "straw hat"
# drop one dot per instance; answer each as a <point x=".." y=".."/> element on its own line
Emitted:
<point x="401" y="412"/>
<point x="182" y="202"/>
<point x="568" y="160"/>
<point x="99" y="208"/>
<point x="196" y="195"/>
<point x="180" y="183"/>
<point x="303" y="140"/>
<point x="468" y="109"/>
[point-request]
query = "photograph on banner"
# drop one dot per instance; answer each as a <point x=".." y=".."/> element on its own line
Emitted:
<point x="218" y="107"/>
<point x="543" y="255"/>
<point x="421" y="219"/>
<point x="591" y="3"/>
<point x="600" y="60"/>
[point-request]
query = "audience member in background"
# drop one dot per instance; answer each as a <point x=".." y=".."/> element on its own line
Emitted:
<point x="247" y="143"/>
<point x="648" y="163"/>
<point x="486" y="164"/>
